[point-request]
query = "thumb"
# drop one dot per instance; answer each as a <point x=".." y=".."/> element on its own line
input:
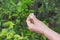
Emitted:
<point x="33" y="17"/>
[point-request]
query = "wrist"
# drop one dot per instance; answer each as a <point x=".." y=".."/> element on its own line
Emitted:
<point x="42" y="30"/>
<point x="50" y="34"/>
<point x="45" y="30"/>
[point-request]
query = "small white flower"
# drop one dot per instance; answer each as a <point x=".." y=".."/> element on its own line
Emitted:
<point x="32" y="15"/>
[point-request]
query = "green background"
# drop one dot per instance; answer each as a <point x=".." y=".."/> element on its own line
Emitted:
<point x="13" y="15"/>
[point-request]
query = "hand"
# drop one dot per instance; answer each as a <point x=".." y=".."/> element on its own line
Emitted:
<point x="34" y="24"/>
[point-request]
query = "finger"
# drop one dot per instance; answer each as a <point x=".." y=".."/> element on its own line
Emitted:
<point x="32" y="16"/>
<point x="28" y="21"/>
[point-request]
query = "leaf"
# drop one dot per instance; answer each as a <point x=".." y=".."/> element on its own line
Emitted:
<point x="3" y="33"/>
<point x="16" y="36"/>
<point x="19" y="6"/>
<point x="9" y="24"/>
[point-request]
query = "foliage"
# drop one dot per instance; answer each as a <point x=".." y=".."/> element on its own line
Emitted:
<point x="13" y="14"/>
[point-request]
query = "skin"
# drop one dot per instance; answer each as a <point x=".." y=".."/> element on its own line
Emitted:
<point x="38" y="26"/>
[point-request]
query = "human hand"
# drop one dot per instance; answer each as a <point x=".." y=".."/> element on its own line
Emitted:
<point x="34" y="24"/>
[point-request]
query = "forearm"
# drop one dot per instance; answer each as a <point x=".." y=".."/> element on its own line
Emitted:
<point x="50" y="34"/>
<point x="38" y="26"/>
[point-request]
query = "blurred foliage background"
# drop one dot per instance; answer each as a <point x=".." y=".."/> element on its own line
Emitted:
<point x="13" y="14"/>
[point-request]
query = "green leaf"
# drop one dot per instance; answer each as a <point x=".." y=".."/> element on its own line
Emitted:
<point x="9" y="24"/>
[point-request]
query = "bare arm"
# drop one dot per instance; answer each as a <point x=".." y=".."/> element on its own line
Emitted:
<point x="50" y="34"/>
<point x="37" y="26"/>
